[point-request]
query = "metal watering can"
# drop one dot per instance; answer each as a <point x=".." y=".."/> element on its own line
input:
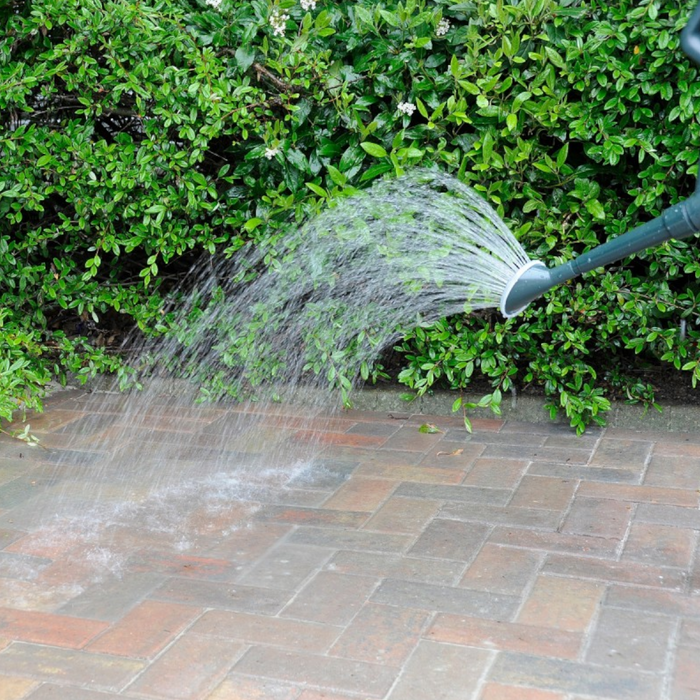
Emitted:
<point x="679" y="221"/>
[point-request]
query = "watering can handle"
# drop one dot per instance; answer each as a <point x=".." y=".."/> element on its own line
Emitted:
<point x="690" y="36"/>
<point x="690" y="41"/>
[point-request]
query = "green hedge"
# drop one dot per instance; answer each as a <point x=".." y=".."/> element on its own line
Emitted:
<point x="136" y="135"/>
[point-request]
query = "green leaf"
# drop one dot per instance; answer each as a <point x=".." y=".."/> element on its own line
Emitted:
<point x="429" y="428"/>
<point x="252" y="224"/>
<point x="554" y="57"/>
<point x="375" y="170"/>
<point x="595" y="208"/>
<point x="374" y="149"/>
<point x="318" y="190"/>
<point x="562" y="155"/>
<point x="337" y="177"/>
<point x="245" y="56"/>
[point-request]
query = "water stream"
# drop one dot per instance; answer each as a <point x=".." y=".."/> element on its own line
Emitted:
<point x="258" y="336"/>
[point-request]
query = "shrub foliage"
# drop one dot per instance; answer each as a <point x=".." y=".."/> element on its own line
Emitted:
<point x="136" y="135"/>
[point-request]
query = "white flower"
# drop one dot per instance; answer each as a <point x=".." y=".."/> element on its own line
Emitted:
<point x="214" y="3"/>
<point x="407" y="108"/>
<point x="307" y="5"/>
<point x="270" y="153"/>
<point x="278" y="22"/>
<point x="443" y="27"/>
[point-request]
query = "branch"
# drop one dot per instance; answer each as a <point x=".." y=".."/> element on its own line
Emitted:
<point x="277" y="82"/>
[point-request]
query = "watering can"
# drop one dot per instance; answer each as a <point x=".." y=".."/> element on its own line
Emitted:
<point x="679" y="221"/>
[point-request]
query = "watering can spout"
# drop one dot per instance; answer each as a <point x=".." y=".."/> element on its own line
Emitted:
<point x="534" y="279"/>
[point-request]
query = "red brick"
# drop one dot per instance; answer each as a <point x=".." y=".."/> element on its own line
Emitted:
<point x="323" y="695"/>
<point x="438" y="670"/>
<point x="690" y="633"/>
<point x="544" y="428"/>
<point x="259" y="439"/>
<point x="205" y="520"/>
<point x="505" y="636"/>
<point x="376" y="428"/>
<point x="47" y="628"/>
<point x="574" y="678"/>
<point x="544" y="492"/>
<point x="368" y="456"/>
<point x="263" y="629"/>
<point x="68" y="666"/>
<point x="673" y="472"/>
<point x="449" y="454"/>
<point x="237" y="687"/>
<point x="215" y="594"/>
<point x="579" y="442"/>
<point x="180" y="564"/>
<point x="312" y="516"/>
<point x="638" y="494"/>
<point x="403" y="515"/>
<point x="532" y="453"/>
<point x="330" y="424"/>
<point x="562" y="603"/>
<point x="381" y="634"/>
<point x="686" y="684"/>
<point x="56" y="691"/>
<point x="501" y="569"/>
<point x="647" y="435"/>
<point x="653" y="600"/>
<point x="339" y="538"/>
<point x="250" y="542"/>
<point x="619" y="454"/>
<point x="360" y="415"/>
<point x="410" y="439"/>
<point x="660" y="545"/>
<point x="677" y="448"/>
<point x="536" y="518"/>
<point x="392" y="565"/>
<point x="285" y="567"/>
<point x="42" y="544"/>
<point x="191" y="666"/>
<point x="624" y="638"/>
<point x="598" y="517"/>
<point x="331" y="598"/>
<point x="495" y="473"/>
<point x="606" y="570"/>
<point x="496" y="691"/>
<point x="487" y="425"/>
<point x="555" y="541"/>
<point x="344" y="675"/>
<point x="346" y="439"/>
<point x="15" y="688"/>
<point x="360" y="494"/>
<point x="145" y="630"/>
<point x="34" y="595"/>
<point x="450" y="539"/>
<point x="402" y="472"/>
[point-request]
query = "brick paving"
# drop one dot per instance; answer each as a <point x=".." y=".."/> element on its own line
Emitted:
<point x="281" y="553"/>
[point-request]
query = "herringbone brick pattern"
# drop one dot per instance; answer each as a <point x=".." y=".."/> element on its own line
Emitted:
<point x="516" y="563"/>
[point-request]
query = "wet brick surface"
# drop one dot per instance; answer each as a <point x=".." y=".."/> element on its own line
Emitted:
<point x="287" y="553"/>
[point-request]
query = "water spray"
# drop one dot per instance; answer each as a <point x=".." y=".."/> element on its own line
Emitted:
<point x="677" y="222"/>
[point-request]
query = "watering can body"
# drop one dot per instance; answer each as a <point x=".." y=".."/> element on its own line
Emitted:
<point x="677" y="222"/>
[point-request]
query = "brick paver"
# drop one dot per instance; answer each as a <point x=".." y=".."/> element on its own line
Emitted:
<point x="291" y="553"/>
